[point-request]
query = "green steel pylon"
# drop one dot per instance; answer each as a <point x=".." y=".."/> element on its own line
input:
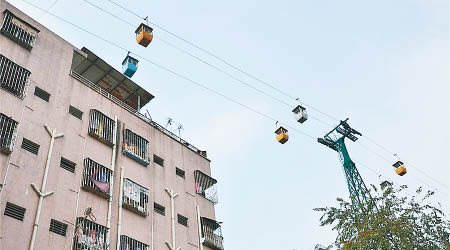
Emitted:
<point x="335" y="140"/>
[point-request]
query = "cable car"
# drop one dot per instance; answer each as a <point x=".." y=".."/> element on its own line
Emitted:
<point x="144" y="35"/>
<point x="129" y="65"/>
<point x="400" y="169"/>
<point x="282" y="136"/>
<point x="300" y="114"/>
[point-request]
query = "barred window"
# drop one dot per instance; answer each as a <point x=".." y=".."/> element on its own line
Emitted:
<point x="127" y="243"/>
<point x="101" y="127"/>
<point x="206" y="186"/>
<point x="19" y="31"/>
<point x="8" y="131"/>
<point x="13" y="78"/>
<point x="89" y="235"/>
<point x="212" y="233"/>
<point x="136" y="147"/>
<point x="96" y="178"/>
<point x="135" y="197"/>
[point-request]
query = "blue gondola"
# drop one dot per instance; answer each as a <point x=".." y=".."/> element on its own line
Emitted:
<point x="129" y="65"/>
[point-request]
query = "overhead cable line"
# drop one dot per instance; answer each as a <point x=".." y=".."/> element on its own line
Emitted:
<point x="179" y="75"/>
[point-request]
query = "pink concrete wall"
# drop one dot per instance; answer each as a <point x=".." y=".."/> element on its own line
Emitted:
<point x="76" y="145"/>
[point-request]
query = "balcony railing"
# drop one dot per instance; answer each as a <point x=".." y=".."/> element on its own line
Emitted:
<point x="96" y="178"/>
<point x="206" y="186"/>
<point x="19" y="31"/>
<point x="125" y="106"/>
<point x="127" y="243"/>
<point x="13" y="78"/>
<point x="8" y="132"/>
<point x="135" y="197"/>
<point x="89" y="235"/>
<point x="101" y="127"/>
<point x="135" y="147"/>
<point x="212" y="234"/>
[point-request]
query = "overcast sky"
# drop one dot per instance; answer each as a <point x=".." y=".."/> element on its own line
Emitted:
<point x="384" y="64"/>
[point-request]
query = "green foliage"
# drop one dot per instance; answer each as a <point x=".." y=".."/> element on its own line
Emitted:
<point x="396" y="222"/>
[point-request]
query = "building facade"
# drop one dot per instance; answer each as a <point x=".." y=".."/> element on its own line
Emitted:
<point x="80" y="166"/>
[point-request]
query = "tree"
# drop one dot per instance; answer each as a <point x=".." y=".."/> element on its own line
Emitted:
<point x="391" y="221"/>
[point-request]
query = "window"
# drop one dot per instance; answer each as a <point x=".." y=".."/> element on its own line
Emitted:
<point x="182" y="220"/>
<point x="44" y="95"/>
<point x="180" y="172"/>
<point x="135" y="147"/>
<point x="30" y="146"/>
<point x="67" y="165"/>
<point x="58" y="227"/>
<point x="206" y="186"/>
<point x="13" y="78"/>
<point x="8" y="131"/>
<point x="19" y="31"/>
<point x="135" y="197"/>
<point x="14" y="211"/>
<point x="96" y="178"/>
<point x="127" y="243"/>
<point x="158" y="160"/>
<point x="160" y="209"/>
<point x="211" y="233"/>
<point x="76" y="112"/>
<point x="89" y="235"/>
<point x="101" y="127"/>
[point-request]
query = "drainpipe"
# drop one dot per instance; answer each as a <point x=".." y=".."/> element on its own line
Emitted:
<point x="41" y="192"/>
<point x="119" y="220"/>
<point x="111" y="186"/>
<point x="78" y="194"/>
<point x="153" y="207"/>
<point x="199" y="222"/>
<point x="172" y="208"/>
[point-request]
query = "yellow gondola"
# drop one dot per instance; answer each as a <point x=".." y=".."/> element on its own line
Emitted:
<point x="399" y="168"/>
<point x="144" y="35"/>
<point x="282" y="136"/>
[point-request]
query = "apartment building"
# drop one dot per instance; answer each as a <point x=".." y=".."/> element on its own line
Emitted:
<point x="80" y="167"/>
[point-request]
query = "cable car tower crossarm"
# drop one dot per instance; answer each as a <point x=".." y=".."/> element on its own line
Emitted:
<point x="335" y="140"/>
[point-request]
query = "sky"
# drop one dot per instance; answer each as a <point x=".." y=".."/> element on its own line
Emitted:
<point x="383" y="64"/>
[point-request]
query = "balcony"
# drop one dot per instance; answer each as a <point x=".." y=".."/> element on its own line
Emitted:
<point x="127" y="243"/>
<point x="101" y="127"/>
<point x="19" y="31"/>
<point x="8" y="132"/>
<point x="96" y="178"/>
<point x="206" y="186"/>
<point x="13" y="78"/>
<point x="211" y="233"/>
<point x="135" y="147"/>
<point x="135" y="197"/>
<point x="89" y="235"/>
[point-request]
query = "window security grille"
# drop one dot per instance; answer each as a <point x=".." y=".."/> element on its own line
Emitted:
<point x="58" y="227"/>
<point x="96" y="178"/>
<point x="13" y="78"/>
<point x="44" y="95"/>
<point x="76" y="112"/>
<point x="159" y="209"/>
<point x="180" y="172"/>
<point x="158" y="160"/>
<point x="135" y="197"/>
<point x="101" y="127"/>
<point x="135" y="147"/>
<point x="19" y="31"/>
<point x="206" y="186"/>
<point x="127" y="243"/>
<point x="182" y="220"/>
<point x="89" y="235"/>
<point x="30" y="146"/>
<point x="212" y="233"/>
<point x="8" y="131"/>
<point x="14" y="211"/>
<point x="67" y="165"/>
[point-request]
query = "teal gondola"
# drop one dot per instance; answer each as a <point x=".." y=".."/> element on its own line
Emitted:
<point x="129" y="65"/>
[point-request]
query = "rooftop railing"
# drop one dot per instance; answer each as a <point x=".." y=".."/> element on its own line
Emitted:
<point x="114" y="99"/>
